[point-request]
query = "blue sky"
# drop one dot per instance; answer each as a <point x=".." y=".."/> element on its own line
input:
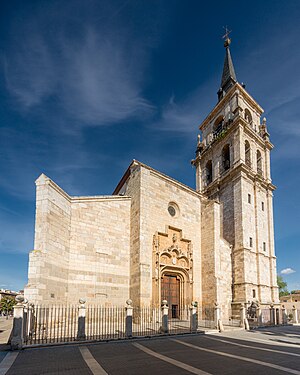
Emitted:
<point x="87" y="86"/>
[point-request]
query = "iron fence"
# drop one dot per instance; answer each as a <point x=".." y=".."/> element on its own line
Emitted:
<point x="50" y="324"/>
<point x="146" y="321"/>
<point x="180" y="323"/>
<point x="206" y="317"/>
<point x="105" y="323"/>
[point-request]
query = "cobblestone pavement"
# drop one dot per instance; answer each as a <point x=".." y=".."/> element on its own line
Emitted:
<point x="265" y="351"/>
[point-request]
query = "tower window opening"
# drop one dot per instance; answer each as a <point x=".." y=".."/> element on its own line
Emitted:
<point x="259" y="163"/>
<point x="263" y="206"/>
<point x="250" y="242"/>
<point x="249" y="198"/>
<point x="218" y="125"/>
<point x="226" y="157"/>
<point x="208" y="172"/>
<point x="264" y="246"/>
<point x="247" y="154"/>
<point x="253" y="293"/>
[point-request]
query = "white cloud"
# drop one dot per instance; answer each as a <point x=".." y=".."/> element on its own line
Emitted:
<point x="186" y="115"/>
<point x="287" y="271"/>
<point x="95" y="78"/>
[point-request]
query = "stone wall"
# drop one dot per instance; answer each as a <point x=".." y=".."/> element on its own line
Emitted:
<point x="216" y="261"/>
<point x="151" y="193"/>
<point x="49" y="261"/>
<point x="99" y="250"/>
<point x="82" y="248"/>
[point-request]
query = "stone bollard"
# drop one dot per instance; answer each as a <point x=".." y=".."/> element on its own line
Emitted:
<point x="81" y="320"/>
<point x="128" y="324"/>
<point x="164" y="319"/>
<point x="295" y="315"/>
<point x="194" y="317"/>
<point x="17" y="339"/>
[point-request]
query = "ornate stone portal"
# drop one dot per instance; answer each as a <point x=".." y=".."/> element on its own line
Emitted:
<point x="172" y="270"/>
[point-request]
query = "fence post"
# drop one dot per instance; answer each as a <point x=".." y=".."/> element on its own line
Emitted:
<point x="164" y="319"/>
<point x="244" y="320"/>
<point x="284" y="315"/>
<point x="30" y="320"/>
<point x="295" y="315"/>
<point x="272" y="314"/>
<point x="218" y="322"/>
<point x="194" y="317"/>
<point x="258" y="315"/>
<point x="81" y="320"/>
<point x="128" y="324"/>
<point x="18" y="329"/>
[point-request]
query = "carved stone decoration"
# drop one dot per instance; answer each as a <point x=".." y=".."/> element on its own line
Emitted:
<point x="172" y="254"/>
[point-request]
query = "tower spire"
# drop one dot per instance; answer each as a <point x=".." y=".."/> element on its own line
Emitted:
<point x="228" y="75"/>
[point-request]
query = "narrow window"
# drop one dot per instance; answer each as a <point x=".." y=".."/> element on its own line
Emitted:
<point x="253" y="293"/>
<point x="259" y="163"/>
<point x="250" y="241"/>
<point x="263" y="206"/>
<point x="247" y="153"/>
<point x="208" y="172"/>
<point x="264" y="246"/>
<point x="226" y="157"/>
<point x="248" y="116"/>
<point x="249" y="198"/>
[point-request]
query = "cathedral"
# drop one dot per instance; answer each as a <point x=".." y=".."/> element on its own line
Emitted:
<point x="157" y="239"/>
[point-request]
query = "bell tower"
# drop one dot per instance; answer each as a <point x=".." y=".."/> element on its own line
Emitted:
<point x="233" y="168"/>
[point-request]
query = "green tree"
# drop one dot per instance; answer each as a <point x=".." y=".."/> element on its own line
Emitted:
<point x="7" y="305"/>
<point x="282" y="286"/>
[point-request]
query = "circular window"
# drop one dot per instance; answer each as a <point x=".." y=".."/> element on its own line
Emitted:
<point x="173" y="209"/>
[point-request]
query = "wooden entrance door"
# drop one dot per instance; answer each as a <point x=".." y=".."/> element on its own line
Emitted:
<point x="170" y="291"/>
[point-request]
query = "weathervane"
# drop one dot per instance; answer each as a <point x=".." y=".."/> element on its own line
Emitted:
<point x="226" y="36"/>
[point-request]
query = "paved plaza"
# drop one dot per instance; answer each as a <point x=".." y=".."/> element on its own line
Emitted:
<point x="266" y="351"/>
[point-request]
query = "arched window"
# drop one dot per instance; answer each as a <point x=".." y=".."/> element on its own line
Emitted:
<point x="218" y="125"/>
<point x="247" y="153"/>
<point x="226" y="157"/>
<point x="259" y="162"/>
<point x="248" y="116"/>
<point x="208" y="169"/>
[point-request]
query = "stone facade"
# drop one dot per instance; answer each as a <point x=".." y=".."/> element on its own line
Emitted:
<point x="156" y="237"/>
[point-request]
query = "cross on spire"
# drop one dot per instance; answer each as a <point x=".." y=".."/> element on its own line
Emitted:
<point x="227" y="32"/>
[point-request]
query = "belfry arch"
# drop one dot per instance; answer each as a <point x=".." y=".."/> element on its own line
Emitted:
<point x="172" y="270"/>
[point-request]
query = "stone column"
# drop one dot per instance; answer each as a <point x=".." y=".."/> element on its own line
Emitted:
<point x="295" y="315"/>
<point x="17" y="340"/>
<point x="194" y="317"/>
<point x="128" y="324"/>
<point x="81" y="320"/>
<point x="164" y="319"/>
